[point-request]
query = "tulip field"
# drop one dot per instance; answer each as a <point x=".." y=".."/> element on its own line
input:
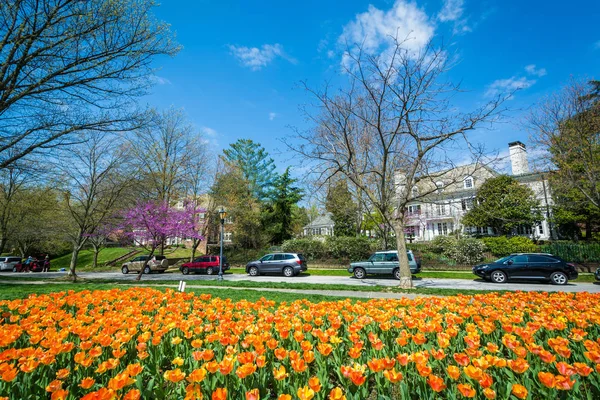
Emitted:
<point x="143" y="343"/>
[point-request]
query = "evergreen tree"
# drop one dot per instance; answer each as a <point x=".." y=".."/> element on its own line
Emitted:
<point x="343" y="209"/>
<point x="255" y="165"/>
<point x="280" y="214"/>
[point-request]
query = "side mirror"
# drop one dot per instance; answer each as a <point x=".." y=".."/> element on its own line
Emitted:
<point x="509" y="262"/>
<point x="261" y="261"/>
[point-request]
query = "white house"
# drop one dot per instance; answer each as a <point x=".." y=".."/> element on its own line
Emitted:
<point x="440" y="213"/>
<point x="322" y="225"/>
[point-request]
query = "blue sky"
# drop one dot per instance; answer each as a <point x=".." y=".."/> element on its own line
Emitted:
<point x="238" y="73"/>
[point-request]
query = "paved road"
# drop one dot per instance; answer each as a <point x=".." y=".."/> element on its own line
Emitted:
<point x="465" y="284"/>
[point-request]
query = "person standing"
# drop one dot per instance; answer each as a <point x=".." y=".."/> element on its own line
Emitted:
<point x="46" y="264"/>
<point x="28" y="264"/>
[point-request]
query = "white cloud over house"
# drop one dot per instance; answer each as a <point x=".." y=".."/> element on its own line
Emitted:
<point x="508" y="86"/>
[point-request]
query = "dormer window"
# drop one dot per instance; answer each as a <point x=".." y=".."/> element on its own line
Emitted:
<point x="468" y="182"/>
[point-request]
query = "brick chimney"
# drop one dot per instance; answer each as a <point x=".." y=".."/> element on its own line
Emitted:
<point x="518" y="158"/>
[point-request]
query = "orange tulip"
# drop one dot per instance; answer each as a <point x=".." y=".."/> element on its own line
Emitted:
<point x="193" y="391"/>
<point x="219" y="394"/>
<point x="174" y="375"/>
<point x="284" y="397"/>
<point x="54" y="386"/>
<point x="314" y="384"/>
<point x="87" y="383"/>
<point x="489" y="393"/>
<point x="336" y="394"/>
<point x="253" y="394"/>
<point x="197" y="375"/>
<point x="436" y="383"/>
<point x="519" y="391"/>
<point x="132" y="394"/>
<point x="466" y="390"/>
<point x="60" y="394"/>
<point x="392" y="376"/>
<point x="563" y="382"/>
<point x="453" y="371"/>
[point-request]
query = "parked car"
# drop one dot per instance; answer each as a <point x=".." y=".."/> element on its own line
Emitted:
<point x="528" y="266"/>
<point x="597" y="274"/>
<point x="384" y="263"/>
<point x="34" y="266"/>
<point x="208" y="264"/>
<point x="157" y="263"/>
<point x="9" y="263"/>
<point x="288" y="264"/>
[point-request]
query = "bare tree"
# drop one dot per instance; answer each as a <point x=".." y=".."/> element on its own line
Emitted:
<point x="71" y="66"/>
<point x="166" y="152"/>
<point x="93" y="177"/>
<point x="566" y="126"/>
<point x="12" y="182"/>
<point x="390" y="129"/>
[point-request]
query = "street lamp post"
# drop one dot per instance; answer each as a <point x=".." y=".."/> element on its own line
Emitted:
<point x="222" y="215"/>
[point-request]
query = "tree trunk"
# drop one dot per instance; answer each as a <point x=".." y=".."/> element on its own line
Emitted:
<point x="3" y="244"/>
<point x="73" y="264"/>
<point x="405" y="275"/>
<point x="139" y="275"/>
<point x="96" y="253"/>
<point x="195" y="244"/>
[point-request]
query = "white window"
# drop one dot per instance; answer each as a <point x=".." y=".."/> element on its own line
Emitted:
<point x="466" y="204"/>
<point x="442" y="228"/>
<point x="415" y="192"/>
<point x="441" y="209"/>
<point x="227" y="236"/>
<point x="201" y="215"/>
<point x="468" y="182"/>
<point x="229" y="220"/>
<point x="440" y="186"/>
<point x="413" y="231"/>
<point x="415" y="209"/>
<point x="541" y="229"/>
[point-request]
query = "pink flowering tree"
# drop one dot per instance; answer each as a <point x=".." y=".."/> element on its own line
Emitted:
<point x="150" y="224"/>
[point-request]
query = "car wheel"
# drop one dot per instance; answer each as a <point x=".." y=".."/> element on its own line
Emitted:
<point x="210" y="271"/>
<point x="125" y="270"/>
<point x="185" y="270"/>
<point x="397" y="273"/>
<point x="253" y="271"/>
<point x="359" y="273"/>
<point x="559" y="278"/>
<point x="147" y="270"/>
<point x="288" y="271"/>
<point x="498" y="277"/>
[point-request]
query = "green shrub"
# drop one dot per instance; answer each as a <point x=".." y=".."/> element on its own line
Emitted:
<point x="442" y="244"/>
<point x="348" y="248"/>
<point x="312" y="249"/>
<point x="501" y="246"/>
<point x="467" y="251"/>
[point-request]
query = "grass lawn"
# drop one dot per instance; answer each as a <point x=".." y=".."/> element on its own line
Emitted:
<point x="11" y="292"/>
<point x="86" y="257"/>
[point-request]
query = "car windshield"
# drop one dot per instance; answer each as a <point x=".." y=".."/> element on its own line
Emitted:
<point x="501" y="260"/>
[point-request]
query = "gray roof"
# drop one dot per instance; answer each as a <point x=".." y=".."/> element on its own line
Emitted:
<point x="322" y="221"/>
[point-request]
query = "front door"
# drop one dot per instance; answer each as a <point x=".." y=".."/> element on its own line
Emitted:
<point x="378" y="263"/>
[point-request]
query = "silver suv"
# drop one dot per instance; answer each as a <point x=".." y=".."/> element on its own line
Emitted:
<point x="288" y="264"/>
<point x="9" y="263"/>
<point x="384" y="262"/>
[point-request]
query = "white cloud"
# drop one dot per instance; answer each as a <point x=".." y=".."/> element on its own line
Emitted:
<point x="532" y="70"/>
<point x="272" y="116"/>
<point x="508" y="86"/>
<point x="209" y="131"/>
<point x="452" y="10"/>
<point x="376" y="29"/>
<point x="159" y="80"/>
<point x="257" y="58"/>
